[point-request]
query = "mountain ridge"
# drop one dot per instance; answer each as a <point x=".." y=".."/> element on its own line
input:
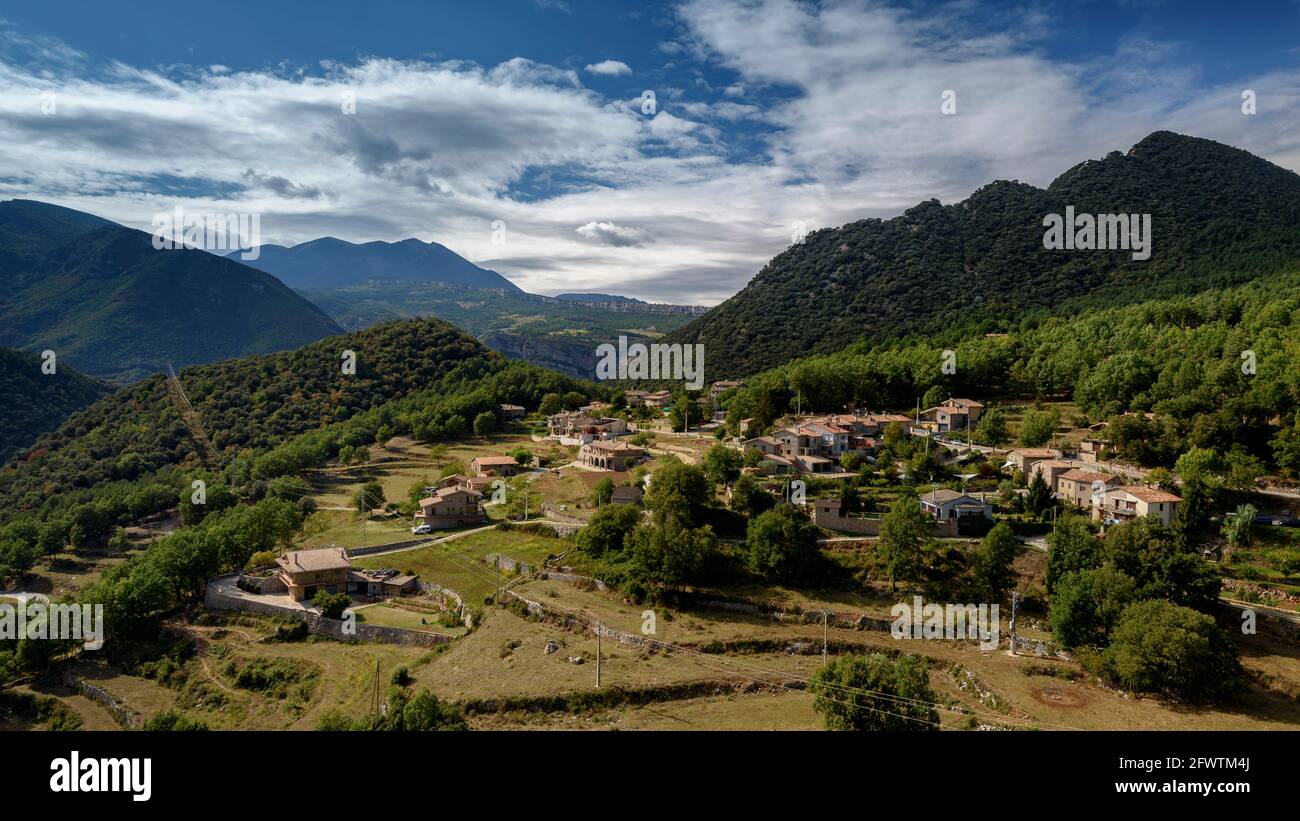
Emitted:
<point x="1219" y="215"/>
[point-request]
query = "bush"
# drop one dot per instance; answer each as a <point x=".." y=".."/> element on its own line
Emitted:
<point x="331" y="605"/>
<point x="1159" y="647"/>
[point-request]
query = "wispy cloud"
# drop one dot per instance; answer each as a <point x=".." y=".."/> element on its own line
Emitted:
<point x="816" y="115"/>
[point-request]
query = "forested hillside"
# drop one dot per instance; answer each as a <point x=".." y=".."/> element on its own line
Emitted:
<point x="1220" y="370"/>
<point x="1219" y="216"/>
<point x="34" y="402"/>
<point x="110" y="305"/>
<point x="252" y="405"/>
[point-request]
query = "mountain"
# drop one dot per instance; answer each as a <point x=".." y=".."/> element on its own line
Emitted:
<point x="411" y="376"/>
<point x="100" y="296"/>
<point x="1219" y="216"/>
<point x="334" y="263"/>
<point x="33" y="402"/>
<point x="551" y="332"/>
<point x="598" y="298"/>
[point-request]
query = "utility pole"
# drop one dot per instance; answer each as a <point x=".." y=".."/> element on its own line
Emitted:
<point x="363" y="517"/>
<point x="825" y="618"/>
<point x="1015" y="601"/>
<point x="599" y="628"/>
<point x="496" y="597"/>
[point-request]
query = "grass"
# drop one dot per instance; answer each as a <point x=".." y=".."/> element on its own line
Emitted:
<point x="457" y="564"/>
<point x="389" y="615"/>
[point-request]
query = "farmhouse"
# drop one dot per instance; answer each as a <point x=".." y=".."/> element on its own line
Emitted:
<point x="944" y="504"/>
<point x="1121" y="504"/>
<point x="512" y="411"/>
<point x="609" y="455"/>
<point x="304" y="573"/>
<point x="1049" y="469"/>
<point x="584" y="427"/>
<point x="1024" y="458"/>
<point x="494" y="466"/>
<point x="717" y="389"/>
<point x="624" y="495"/>
<point x="1079" y="486"/>
<point x="451" y="507"/>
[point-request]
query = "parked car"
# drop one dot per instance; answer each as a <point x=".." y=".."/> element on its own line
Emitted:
<point x="420" y="530"/>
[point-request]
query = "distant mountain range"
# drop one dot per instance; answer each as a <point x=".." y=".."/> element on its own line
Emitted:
<point x="329" y="262"/>
<point x="109" y="304"/>
<point x="1219" y="216"/>
<point x="360" y="285"/>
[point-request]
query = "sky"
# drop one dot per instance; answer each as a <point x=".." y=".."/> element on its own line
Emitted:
<point x="664" y="151"/>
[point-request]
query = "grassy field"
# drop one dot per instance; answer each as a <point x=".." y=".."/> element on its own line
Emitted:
<point x="458" y="564"/>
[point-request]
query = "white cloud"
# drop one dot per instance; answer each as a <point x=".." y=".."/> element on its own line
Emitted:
<point x="608" y="233"/>
<point x="609" y="68"/>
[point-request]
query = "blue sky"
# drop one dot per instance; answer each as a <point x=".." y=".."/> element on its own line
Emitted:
<point x="768" y="116"/>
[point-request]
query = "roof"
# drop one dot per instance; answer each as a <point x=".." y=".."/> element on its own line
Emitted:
<point x="943" y="495"/>
<point x="400" y="581"/>
<point x="615" y="447"/>
<point x="1038" y="453"/>
<point x="1051" y="463"/>
<point x="1149" y="494"/>
<point x="496" y="460"/>
<point x="325" y="558"/>
<point x="628" y="493"/>
<point x="1078" y="475"/>
<point x="508" y="407"/>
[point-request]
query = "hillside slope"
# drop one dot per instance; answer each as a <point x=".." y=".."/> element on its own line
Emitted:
<point x="1219" y="215"/>
<point x="250" y="405"/>
<point x="33" y="402"/>
<point x="112" y="306"/>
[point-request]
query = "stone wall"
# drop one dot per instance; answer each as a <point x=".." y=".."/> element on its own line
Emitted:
<point x="122" y="714"/>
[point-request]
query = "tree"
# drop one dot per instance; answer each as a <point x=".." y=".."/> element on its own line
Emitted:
<point x="748" y="498"/>
<point x="1160" y="565"/>
<point x="1039" y="498"/>
<point x="1160" y="647"/>
<point x="602" y="492"/>
<point x="608" y="529"/>
<point x="992" y="428"/>
<point x="679" y="489"/>
<point x="992" y="562"/>
<point x="903" y="534"/>
<point x="1087" y="605"/>
<point x="551" y="404"/>
<point x="485" y="423"/>
<point x="722" y="464"/>
<point x="369" y="498"/>
<point x="933" y="396"/>
<point x="1238" y="526"/>
<point x="424" y="713"/>
<point x="523" y="456"/>
<point x="874" y="692"/>
<point x="782" y="543"/>
<point x="331" y="605"/>
<point x="669" y="553"/>
<point x="1037" y="427"/>
<point x="1071" y="547"/>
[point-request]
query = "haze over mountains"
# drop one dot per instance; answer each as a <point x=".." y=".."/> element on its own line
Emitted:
<point x="1219" y="215"/>
<point x="109" y="304"/>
